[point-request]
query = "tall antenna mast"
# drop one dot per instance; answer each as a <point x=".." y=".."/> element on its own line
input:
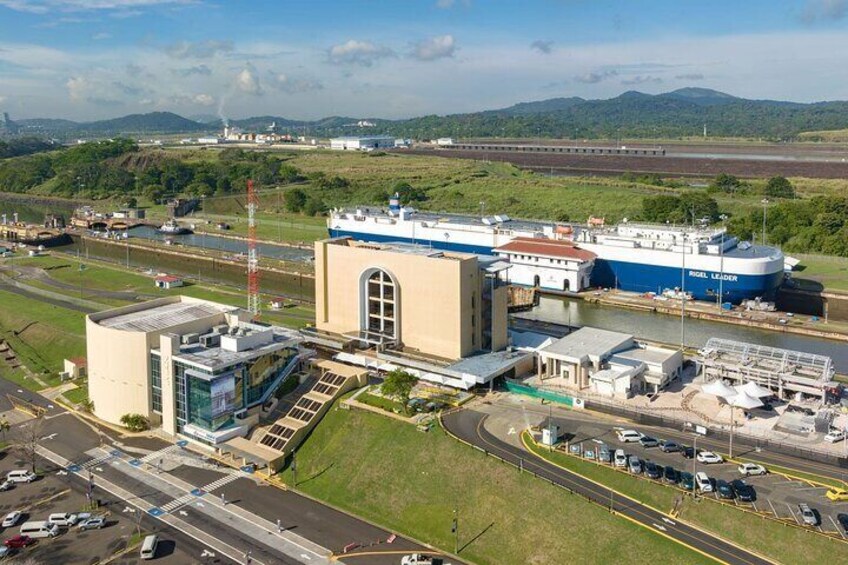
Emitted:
<point x="252" y="253"/>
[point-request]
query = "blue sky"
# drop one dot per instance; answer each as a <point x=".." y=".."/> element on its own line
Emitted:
<point x="92" y="59"/>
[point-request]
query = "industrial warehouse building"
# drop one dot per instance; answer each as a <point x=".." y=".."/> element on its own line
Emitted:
<point x="548" y="264"/>
<point x="362" y="143"/>
<point x="438" y="314"/>
<point x="194" y="367"/>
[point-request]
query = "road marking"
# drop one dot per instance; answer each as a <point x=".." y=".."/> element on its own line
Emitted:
<point x="511" y="432"/>
<point x="304" y="556"/>
<point x="183" y="513"/>
<point x="662" y="528"/>
<point x="667" y="521"/>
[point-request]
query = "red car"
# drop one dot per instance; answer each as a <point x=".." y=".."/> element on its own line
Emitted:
<point x="18" y="541"/>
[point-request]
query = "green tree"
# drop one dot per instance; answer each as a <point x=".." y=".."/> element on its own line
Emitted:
<point x="724" y="182"/>
<point x="779" y="187"/>
<point x="398" y="385"/>
<point x="135" y="422"/>
<point x="314" y="206"/>
<point x="295" y="200"/>
<point x="153" y="192"/>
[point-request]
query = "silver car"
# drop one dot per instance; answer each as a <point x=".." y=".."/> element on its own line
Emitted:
<point x="807" y="515"/>
<point x="634" y="464"/>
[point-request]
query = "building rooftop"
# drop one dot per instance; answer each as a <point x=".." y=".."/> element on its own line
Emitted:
<point x="168" y="278"/>
<point x="591" y="342"/>
<point x="546" y="248"/>
<point x="214" y="358"/>
<point x="165" y="316"/>
<point x="648" y="354"/>
<point x="401" y="247"/>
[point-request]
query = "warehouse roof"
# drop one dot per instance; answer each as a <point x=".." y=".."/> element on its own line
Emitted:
<point x="546" y="248"/>
<point x="165" y="316"/>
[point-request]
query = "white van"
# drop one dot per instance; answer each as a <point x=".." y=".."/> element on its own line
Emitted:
<point x="39" y="529"/>
<point x="20" y="476"/>
<point x="703" y="482"/>
<point x="148" y="547"/>
<point x="628" y="436"/>
<point x="62" y="519"/>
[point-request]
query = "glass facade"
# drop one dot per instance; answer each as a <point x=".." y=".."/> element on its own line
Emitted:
<point x="156" y="381"/>
<point x="380" y="291"/>
<point x="210" y="400"/>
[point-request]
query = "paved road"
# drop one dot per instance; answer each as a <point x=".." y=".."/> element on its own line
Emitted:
<point x="249" y="520"/>
<point x="468" y="425"/>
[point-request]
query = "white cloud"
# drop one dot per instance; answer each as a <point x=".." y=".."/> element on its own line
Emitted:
<point x="596" y="76"/>
<point x="690" y="76"/>
<point x="642" y="79"/>
<point x="101" y="36"/>
<point x="437" y="47"/>
<point x="543" y="46"/>
<point x="247" y="81"/>
<point x="204" y="99"/>
<point x="363" y="53"/>
<point x="199" y="49"/>
<point x="292" y="85"/>
<point x="47" y="6"/>
<point x="2" y="99"/>
<point x="77" y="88"/>
<point x="199" y="70"/>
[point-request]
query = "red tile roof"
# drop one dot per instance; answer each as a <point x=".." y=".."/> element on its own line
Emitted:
<point x="78" y="361"/>
<point x="168" y="278"/>
<point x="546" y="248"/>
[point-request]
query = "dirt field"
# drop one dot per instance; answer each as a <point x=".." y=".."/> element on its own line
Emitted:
<point x="671" y="165"/>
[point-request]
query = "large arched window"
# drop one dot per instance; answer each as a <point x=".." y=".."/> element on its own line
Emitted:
<point x="380" y="293"/>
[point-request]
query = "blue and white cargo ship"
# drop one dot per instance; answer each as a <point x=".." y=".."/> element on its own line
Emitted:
<point x="706" y="262"/>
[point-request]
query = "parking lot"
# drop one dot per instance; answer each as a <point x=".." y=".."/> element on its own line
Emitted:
<point x="54" y="493"/>
<point x="774" y="493"/>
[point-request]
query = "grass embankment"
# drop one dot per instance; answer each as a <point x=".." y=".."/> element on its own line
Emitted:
<point x="42" y="335"/>
<point x="98" y="276"/>
<point x="784" y="544"/>
<point x="410" y="482"/>
<point x="829" y="271"/>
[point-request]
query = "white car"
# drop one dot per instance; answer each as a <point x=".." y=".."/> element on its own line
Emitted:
<point x="6" y="485"/>
<point x="628" y="436"/>
<point x="11" y="519"/>
<point x="620" y="458"/>
<point x="708" y="457"/>
<point x="749" y="469"/>
<point x="834" y="435"/>
<point x="703" y="481"/>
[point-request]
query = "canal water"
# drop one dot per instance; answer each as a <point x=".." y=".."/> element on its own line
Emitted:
<point x="224" y="244"/>
<point x="664" y="328"/>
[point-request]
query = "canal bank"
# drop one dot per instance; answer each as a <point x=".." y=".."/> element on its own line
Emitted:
<point x="208" y="268"/>
<point x="782" y="322"/>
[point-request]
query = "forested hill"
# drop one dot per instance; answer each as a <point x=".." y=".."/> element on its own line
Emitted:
<point x="681" y="113"/>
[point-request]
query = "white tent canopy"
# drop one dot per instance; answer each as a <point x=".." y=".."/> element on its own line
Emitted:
<point x="753" y="389"/>
<point x="744" y="401"/>
<point x="718" y="388"/>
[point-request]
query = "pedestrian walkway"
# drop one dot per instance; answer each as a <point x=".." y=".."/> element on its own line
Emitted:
<point x="221" y="482"/>
<point x="160" y="454"/>
<point x="177" y="502"/>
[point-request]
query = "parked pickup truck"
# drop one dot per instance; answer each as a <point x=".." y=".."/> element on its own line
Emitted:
<point x="421" y="559"/>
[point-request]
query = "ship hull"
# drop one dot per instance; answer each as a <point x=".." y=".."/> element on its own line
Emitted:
<point x="704" y="277"/>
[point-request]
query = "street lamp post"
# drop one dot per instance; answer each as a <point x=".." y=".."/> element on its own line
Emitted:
<point x="730" y="447"/>
<point x="765" y="215"/>
<point x="683" y="292"/>
<point x="694" y="463"/>
<point x="455" y="529"/>
<point x="723" y="217"/>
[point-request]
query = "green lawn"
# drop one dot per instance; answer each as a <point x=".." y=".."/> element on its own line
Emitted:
<point x="77" y="395"/>
<point x="777" y="541"/>
<point x="410" y="482"/>
<point x="41" y="334"/>
<point x="832" y="272"/>
<point x="18" y="377"/>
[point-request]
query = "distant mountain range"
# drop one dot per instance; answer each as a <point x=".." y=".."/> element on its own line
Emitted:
<point x="679" y="113"/>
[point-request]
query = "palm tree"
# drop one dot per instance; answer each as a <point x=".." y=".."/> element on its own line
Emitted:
<point x="4" y="427"/>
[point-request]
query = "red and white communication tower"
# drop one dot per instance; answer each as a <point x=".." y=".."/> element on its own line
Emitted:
<point x="253" y="304"/>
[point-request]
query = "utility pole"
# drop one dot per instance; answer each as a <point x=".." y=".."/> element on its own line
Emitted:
<point x="683" y="293"/>
<point x="252" y="253"/>
<point x="455" y="529"/>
